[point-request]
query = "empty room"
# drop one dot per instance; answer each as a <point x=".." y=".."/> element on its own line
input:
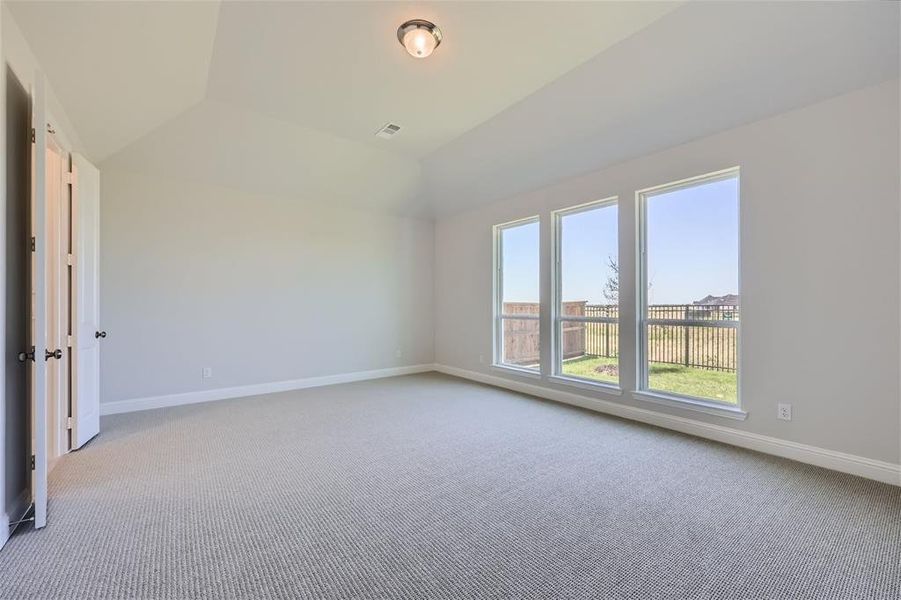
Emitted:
<point x="446" y="300"/>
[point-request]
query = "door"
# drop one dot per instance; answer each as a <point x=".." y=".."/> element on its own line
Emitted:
<point x="56" y="276"/>
<point x="85" y="408"/>
<point x="38" y="316"/>
<point x="17" y="421"/>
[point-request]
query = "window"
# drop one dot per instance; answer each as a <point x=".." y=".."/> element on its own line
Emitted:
<point x="689" y="302"/>
<point x="586" y="294"/>
<point x="516" y="312"/>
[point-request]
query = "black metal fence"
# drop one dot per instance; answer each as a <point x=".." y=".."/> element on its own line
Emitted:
<point x="602" y="339"/>
<point x="700" y="336"/>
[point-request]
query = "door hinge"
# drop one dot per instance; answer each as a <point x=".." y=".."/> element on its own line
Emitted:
<point x="68" y="422"/>
<point x="33" y="139"/>
<point x="32" y="244"/>
<point x="69" y="177"/>
<point x="70" y="260"/>
<point x="32" y="462"/>
<point x="69" y="341"/>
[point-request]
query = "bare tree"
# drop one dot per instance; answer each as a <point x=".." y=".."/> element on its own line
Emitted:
<point x="611" y="288"/>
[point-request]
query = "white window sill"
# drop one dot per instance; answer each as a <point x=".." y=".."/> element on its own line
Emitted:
<point x="585" y="384"/>
<point x="517" y="371"/>
<point x="695" y="404"/>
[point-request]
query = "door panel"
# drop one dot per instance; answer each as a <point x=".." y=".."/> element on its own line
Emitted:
<point x="56" y="276"/>
<point x="85" y="301"/>
<point x="38" y="370"/>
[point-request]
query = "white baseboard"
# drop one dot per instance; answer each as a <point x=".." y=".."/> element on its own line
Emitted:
<point x="821" y="457"/>
<point x="136" y="404"/>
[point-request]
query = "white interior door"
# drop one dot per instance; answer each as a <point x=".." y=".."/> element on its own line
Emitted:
<point x="86" y="332"/>
<point x="38" y="379"/>
<point x="56" y="275"/>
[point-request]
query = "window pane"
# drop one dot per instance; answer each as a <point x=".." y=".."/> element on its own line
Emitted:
<point x="691" y="237"/>
<point x="518" y="247"/>
<point x="519" y="251"/>
<point x="521" y="343"/>
<point x="590" y="350"/>
<point x="589" y="287"/>
<point x="589" y="253"/>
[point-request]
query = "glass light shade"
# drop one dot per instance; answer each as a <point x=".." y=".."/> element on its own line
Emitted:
<point x="419" y="42"/>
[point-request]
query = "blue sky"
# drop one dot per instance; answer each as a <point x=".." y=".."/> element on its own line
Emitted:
<point x="692" y="248"/>
<point x="520" y="263"/>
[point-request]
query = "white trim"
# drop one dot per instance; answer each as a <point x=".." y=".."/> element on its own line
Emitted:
<point x="497" y="285"/>
<point x="642" y="322"/>
<point x="517" y="222"/>
<point x="557" y="318"/>
<point x="692" y="181"/>
<point x="519" y="371"/>
<point x="611" y="320"/>
<point x="695" y="404"/>
<point x="585" y="383"/>
<point x="838" y="461"/>
<point x="693" y="323"/>
<point x="136" y="404"/>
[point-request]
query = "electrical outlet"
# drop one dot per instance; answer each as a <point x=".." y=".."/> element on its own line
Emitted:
<point x="481" y="359"/>
<point x="398" y="353"/>
<point x="784" y="412"/>
<point x="207" y="372"/>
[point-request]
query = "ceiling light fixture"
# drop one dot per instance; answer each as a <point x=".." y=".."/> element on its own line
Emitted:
<point x="419" y="37"/>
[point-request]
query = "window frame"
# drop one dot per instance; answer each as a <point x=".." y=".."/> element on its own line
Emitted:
<point x="642" y="389"/>
<point x="557" y="317"/>
<point x="497" y="315"/>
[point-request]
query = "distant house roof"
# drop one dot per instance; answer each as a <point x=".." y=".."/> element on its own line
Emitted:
<point x="709" y="300"/>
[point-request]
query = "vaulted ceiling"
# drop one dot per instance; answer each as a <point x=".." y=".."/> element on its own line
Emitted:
<point x="285" y="97"/>
<point x="121" y="68"/>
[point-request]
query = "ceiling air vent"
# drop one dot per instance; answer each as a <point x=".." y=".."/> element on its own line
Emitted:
<point x="387" y="131"/>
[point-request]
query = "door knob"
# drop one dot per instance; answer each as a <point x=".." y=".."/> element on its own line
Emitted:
<point x="99" y="334"/>
<point x="55" y="354"/>
<point x="23" y="356"/>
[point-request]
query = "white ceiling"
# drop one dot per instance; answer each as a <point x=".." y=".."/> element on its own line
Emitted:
<point x="284" y="98"/>
<point x="232" y="146"/>
<point x="702" y="69"/>
<point x="339" y="67"/>
<point x="121" y="68"/>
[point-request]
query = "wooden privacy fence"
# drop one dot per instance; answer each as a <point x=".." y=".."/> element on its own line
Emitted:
<point x="701" y="336"/>
<point x="521" y="337"/>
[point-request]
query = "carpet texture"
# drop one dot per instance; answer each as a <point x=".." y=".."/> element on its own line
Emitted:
<point x="433" y="487"/>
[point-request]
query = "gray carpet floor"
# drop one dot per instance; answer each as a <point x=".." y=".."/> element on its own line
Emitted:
<point x="432" y="487"/>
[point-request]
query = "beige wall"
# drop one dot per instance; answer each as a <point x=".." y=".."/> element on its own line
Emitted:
<point x="819" y="228"/>
<point x="261" y="289"/>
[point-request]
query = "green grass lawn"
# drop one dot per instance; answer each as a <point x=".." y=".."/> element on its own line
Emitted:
<point x="688" y="381"/>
